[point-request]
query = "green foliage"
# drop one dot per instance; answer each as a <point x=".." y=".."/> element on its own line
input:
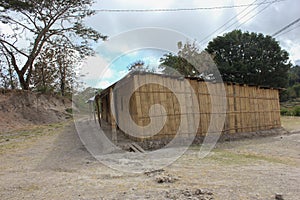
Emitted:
<point x="297" y="111"/>
<point x="189" y="61"/>
<point x="285" y="112"/>
<point x="283" y="96"/>
<point x="55" y="69"/>
<point x="290" y="93"/>
<point x="293" y="111"/>
<point x="176" y="65"/>
<point x="250" y="58"/>
<point x="296" y="89"/>
<point x="293" y="91"/>
<point x="294" y="75"/>
<point x="15" y="5"/>
<point x="139" y="65"/>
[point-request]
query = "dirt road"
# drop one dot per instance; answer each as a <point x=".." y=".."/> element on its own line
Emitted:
<point x="49" y="162"/>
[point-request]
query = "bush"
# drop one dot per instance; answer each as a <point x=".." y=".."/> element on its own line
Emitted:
<point x="296" y="88"/>
<point x="284" y="111"/>
<point x="296" y="111"/>
<point x="283" y="95"/>
<point x="293" y="112"/>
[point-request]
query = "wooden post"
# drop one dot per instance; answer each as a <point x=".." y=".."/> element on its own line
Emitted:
<point x="97" y="102"/>
<point x="113" y="120"/>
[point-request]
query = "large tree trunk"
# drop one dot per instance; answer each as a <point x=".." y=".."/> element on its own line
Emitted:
<point x="11" y="81"/>
<point x="62" y="88"/>
<point x="23" y="83"/>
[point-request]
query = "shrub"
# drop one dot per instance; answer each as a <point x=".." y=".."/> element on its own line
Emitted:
<point x="296" y="88"/>
<point x="296" y="111"/>
<point x="285" y="112"/>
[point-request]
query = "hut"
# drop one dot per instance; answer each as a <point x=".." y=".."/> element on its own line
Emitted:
<point x="248" y="108"/>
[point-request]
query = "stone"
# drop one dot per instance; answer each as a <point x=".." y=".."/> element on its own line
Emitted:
<point x="279" y="197"/>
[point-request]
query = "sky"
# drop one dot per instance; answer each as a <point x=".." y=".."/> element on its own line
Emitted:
<point x="110" y="63"/>
<point x="148" y="36"/>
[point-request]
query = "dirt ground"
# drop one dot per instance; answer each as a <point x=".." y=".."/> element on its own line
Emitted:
<point x="50" y="162"/>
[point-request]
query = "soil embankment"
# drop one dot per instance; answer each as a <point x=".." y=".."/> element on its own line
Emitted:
<point x="19" y="109"/>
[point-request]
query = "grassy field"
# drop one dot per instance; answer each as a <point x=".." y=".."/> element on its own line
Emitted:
<point x="290" y="123"/>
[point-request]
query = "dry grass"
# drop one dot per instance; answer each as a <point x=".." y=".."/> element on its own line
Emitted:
<point x="24" y="137"/>
<point x="226" y="157"/>
<point x="290" y="123"/>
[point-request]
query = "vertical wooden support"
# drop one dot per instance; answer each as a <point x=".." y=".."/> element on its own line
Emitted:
<point x="97" y="103"/>
<point x="113" y="120"/>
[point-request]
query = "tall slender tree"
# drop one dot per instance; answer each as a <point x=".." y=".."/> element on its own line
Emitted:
<point x="8" y="79"/>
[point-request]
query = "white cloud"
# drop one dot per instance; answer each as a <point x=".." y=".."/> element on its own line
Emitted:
<point x="4" y="28"/>
<point x="136" y="4"/>
<point x="123" y="72"/>
<point x="245" y="13"/>
<point x="293" y="49"/>
<point x="103" y="84"/>
<point x="96" y="67"/>
<point x="195" y="24"/>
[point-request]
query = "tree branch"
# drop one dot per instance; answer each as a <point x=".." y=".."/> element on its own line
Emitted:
<point x="31" y="20"/>
<point x="20" y="24"/>
<point x="3" y="42"/>
<point x="13" y="59"/>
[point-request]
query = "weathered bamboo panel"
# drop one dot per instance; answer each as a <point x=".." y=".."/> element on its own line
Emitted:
<point x="249" y="108"/>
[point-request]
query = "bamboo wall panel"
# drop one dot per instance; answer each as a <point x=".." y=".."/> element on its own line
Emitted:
<point x="248" y="109"/>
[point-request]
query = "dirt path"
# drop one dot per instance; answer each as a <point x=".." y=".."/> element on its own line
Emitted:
<point x="54" y="165"/>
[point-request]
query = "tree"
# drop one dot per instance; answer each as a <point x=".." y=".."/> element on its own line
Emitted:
<point x="139" y="65"/>
<point x="66" y="60"/>
<point x="36" y="23"/>
<point x="294" y="75"/>
<point x="7" y="75"/>
<point x="55" y="69"/>
<point x="45" y="71"/>
<point x="189" y="61"/>
<point x="293" y="91"/>
<point x="178" y="64"/>
<point x="250" y="58"/>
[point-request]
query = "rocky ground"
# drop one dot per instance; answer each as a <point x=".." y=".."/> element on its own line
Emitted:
<point x="50" y="162"/>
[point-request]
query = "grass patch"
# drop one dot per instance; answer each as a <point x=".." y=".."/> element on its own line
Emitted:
<point x="31" y="131"/>
<point x="233" y="158"/>
<point x="10" y="141"/>
<point x="290" y="122"/>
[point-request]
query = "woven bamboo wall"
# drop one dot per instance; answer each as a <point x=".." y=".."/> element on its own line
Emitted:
<point x="248" y="109"/>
